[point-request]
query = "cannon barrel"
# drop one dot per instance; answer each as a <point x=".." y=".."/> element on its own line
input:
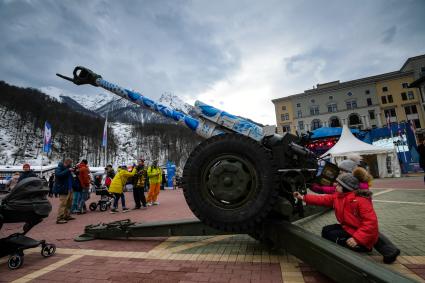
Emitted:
<point x="201" y="126"/>
<point x="211" y="121"/>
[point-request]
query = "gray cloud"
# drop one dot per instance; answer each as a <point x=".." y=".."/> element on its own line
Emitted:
<point x="389" y="34"/>
<point x="212" y="49"/>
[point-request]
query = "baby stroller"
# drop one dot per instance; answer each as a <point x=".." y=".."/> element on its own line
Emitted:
<point x="105" y="201"/>
<point x="27" y="202"/>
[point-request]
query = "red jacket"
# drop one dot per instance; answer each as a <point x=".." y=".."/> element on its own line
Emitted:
<point x="84" y="176"/>
<point x="354" y="213"/>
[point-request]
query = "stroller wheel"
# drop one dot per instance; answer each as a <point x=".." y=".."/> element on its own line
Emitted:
<point x="15" y="261"/>
<point x="93" y="206"/>
<point x="103" y="207"/>
<point x="48" y="250"/>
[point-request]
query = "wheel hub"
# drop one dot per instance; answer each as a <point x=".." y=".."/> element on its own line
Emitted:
<point x="229" y="182"/>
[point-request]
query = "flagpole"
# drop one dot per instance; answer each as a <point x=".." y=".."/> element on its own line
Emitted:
<point x="42" y="149"/>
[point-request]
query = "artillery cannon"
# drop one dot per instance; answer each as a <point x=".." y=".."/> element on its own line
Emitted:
<point x="239" y="175"/>
<point x="241" y="180"/>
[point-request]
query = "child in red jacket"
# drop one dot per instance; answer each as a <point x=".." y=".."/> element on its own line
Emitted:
<point x="358" y="228"/>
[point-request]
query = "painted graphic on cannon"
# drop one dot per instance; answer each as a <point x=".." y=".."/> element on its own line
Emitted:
<point x="230" y="121"/>
<point x="203" y="128"/>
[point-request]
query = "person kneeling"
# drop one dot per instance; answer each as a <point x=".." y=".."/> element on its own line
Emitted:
<point x="358" y="224"/>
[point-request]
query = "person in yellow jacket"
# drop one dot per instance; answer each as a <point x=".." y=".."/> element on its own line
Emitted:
<point x="117" y="186"/>
<point x="155" y="179"/>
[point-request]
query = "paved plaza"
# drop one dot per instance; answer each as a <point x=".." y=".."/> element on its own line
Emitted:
<point x="400" y="205"/>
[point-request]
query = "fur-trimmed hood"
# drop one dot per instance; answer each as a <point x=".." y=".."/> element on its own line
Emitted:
<point x="362" y="175"/>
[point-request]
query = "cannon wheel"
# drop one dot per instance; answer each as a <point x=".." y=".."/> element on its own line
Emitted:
<point x="230" y="182"/>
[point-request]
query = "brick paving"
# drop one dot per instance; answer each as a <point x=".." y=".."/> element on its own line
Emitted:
<point x="227" y="258"/>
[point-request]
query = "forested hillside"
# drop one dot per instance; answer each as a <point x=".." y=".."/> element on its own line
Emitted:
<point x="23" y="112"/>
<point x="77" y="132"/>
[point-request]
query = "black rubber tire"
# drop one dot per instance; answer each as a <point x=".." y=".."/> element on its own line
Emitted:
<point x="15" y="261"/>
<point x="103" y="206"/>
<point x="246" y="217"/>
<point x="93" y="206"/>
<point x="48" y="250"/>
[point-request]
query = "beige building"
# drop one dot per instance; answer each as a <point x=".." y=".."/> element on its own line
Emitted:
<point x="363" y="103"/>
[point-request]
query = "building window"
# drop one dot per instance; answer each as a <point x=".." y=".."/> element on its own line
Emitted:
<point x="403" y="96"/>
<point x="301" y="125"/>
<point x="405" y="85"/>
<point x="334" y="122"/>
<point x="286" y="128"/>
<point x="349" y="93"/>
<point x="390" y="98"/>
<point x="410" y="95"/>
<point x="372" y="115"/>
<point x="332" y="107"/>
<point x="385" y="89"/>
<point x="314" y="110"/>
<point x="283" y="107"/>
<point x="313" y="101"/>
<point x="299" y="114"/>
<point x="298" y="104"/>
<point x="331" y="97"/>
<point x="367" y="91"/>
<point x="369" y="101"/>
<point x="351" y="104"/>
<point x="390" y="112"/>
<point x="417" y="123"/>
<point x="354" y="120"/>
<point x="384" y="99"/>
<point x="286" y="116"/>
<point x="315" y="124"/>
<point x="411" y="109"/>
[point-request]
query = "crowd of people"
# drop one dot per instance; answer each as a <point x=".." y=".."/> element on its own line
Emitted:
<point x="349" y="196"/>
<point x="72" y="185"/>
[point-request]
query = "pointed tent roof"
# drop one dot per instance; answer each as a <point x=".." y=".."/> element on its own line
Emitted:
<point x="349" y="144"/>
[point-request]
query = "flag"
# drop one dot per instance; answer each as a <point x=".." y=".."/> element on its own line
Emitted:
<point x="105" y="134"/>
<point x="412" y="126"/>
<point x="388" y="122"/>
<point x="47" y="139"/>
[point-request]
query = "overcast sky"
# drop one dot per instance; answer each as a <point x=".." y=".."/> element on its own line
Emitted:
<point x="236" y="55"/>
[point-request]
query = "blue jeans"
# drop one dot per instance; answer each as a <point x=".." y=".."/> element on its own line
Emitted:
<point x="76" y="199"/>
<point x="117" y="198"/>
<point x="84" y="197"/>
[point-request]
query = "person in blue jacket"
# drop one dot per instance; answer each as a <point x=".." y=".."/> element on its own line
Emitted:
<point x="63" y="187"/>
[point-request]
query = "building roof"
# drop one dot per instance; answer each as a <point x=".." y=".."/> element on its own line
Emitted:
<point x="412" y="59"/>
<point x="418" y="82"/>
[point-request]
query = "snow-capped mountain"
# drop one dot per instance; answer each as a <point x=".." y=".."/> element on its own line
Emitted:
<point x="89" y="102"/>
<point x="116" y="108"/>
<point x="121" y="110"/>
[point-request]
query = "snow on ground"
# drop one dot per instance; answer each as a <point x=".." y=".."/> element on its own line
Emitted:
<point x="12" y="141"/>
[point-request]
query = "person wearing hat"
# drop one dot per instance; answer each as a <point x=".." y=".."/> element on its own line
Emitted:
<point x="345" y="166"/>
<point x="384" y="245"/>
<point x="117" y="187"/>
<point x="155" y="180"/>
<point x="139" y="181"/>
<point x="27" y="172"/>
<point x="358" y="224"/>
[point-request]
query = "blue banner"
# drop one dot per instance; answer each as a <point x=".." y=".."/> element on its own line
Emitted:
<point x="47" y="140"/>
<point x="171" y="171"/>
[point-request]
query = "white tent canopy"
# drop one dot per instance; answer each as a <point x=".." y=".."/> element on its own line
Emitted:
<point x="349" y="144"/>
